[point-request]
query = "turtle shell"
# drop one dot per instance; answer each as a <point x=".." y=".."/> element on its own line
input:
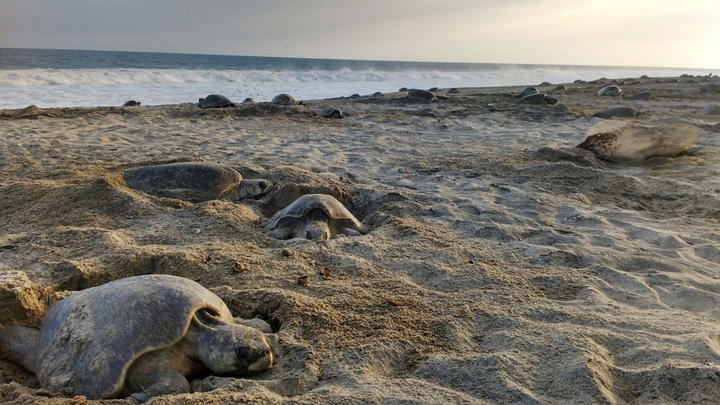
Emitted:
<point x="208" y="177"/>
<point x="610" y="90"/>
<point x="89" y="339"/>
<point x="334" y="209"/>
<point x="284" y="99"/>
<point x="215" y="101"/>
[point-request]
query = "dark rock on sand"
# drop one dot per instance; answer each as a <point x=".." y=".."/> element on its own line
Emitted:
<point x="616" y="112"/>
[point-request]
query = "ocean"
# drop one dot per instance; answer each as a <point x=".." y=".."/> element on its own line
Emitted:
<point x="64" y="78"/>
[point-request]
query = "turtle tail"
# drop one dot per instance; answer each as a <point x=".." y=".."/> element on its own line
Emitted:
<point x="19" y="345"/>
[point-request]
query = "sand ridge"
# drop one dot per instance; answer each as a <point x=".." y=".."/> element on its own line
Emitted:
<point x="502" y="265"/>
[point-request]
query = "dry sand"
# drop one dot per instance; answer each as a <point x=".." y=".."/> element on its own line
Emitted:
<point x="502" y="264"/>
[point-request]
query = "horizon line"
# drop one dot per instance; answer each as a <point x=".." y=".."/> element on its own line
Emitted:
<point x="368" y="60"/>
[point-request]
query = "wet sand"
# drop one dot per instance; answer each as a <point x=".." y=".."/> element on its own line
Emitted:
<point x="502" y="264"/>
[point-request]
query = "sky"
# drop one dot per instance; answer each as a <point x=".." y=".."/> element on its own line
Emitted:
<point x="584" y="32"/>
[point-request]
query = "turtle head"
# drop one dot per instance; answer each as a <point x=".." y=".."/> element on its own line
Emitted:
<point x="316" y="226"/>
<point x="317" y="230"/>
<point x="230" y="348"/>
<point x="252" y="188"/>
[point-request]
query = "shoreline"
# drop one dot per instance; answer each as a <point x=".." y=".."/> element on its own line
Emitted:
<point x="510" y="89"/>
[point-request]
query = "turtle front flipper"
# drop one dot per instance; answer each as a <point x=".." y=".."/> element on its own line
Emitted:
<point x="19" y="345"/>
<point x="350" y="232"/>
<point x="152" y="375"/>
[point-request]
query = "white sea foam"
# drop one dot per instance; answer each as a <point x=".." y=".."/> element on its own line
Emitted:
<point x="92" y="87"/>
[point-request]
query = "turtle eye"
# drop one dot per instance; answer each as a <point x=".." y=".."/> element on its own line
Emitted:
<point x="263" y="185"/>
<point x="308" y="235"/>
<point x="242" y="354"/>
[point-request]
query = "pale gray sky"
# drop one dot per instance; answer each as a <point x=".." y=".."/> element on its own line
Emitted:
<point x="603" y="32"/>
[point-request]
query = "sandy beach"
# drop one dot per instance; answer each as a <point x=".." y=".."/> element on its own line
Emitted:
<point x="502" y="264"/>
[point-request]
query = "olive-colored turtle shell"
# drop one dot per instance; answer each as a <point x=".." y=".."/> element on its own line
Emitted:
<point x="209" y="177"/>
<point x="89" y="339"/>
<point x="334" y="209"/>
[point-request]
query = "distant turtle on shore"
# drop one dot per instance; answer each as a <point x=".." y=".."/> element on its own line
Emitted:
<point x="537" y="98"/>
<point x="629" y="141"/>
<point x="284" y="99"/>
<point x="195" y="182"/>
<point x="527" y="91"/>
<point x="610" y="90"/>
<point x="315" y="217"/>
<point x="419" y="94"/>
<point x="331" y="113"/>
<point x="248" y="100"/>
<point x="215" y="101"/>
<point x="142" y="335"/>
<point x="131" y="103"/>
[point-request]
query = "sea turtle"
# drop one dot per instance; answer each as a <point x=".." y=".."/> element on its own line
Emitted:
<point x="454" y="90"/>
<point x="195" y="181"/>
<point x="377" y="94"/>
<point x="330" y="113"/>
<point x="527" y="91"/>
<point x="131" y="103"/>
<point x="284" y="99"/>
<point x="419" y="94"/>
<point x="537" y="98"/>
<point x="629" y="141"/>
<point x="215" y="101"/>
<point x="315" y="217"/>
<point x="560" y="87"/>
<point x="616" y="112"/>
<point x="433" y="89"/>
<point x="141" y="335"/>
<point x="610" y="90"/>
